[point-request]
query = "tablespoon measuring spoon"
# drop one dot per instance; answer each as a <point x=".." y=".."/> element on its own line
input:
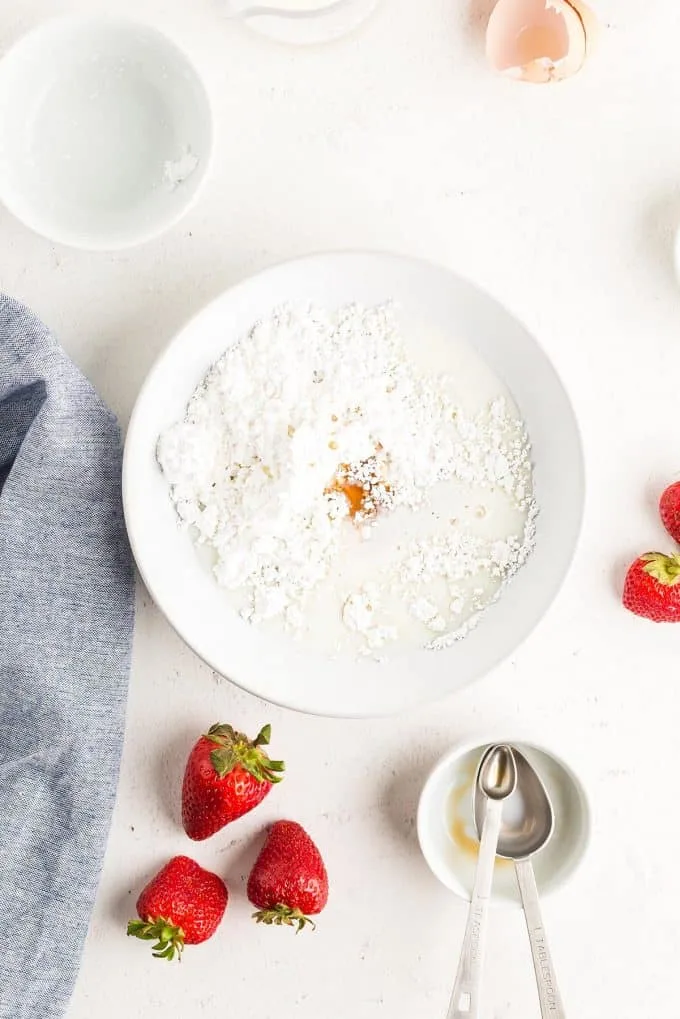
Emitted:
<point x="496" y="780"/>
<point x="526" y="827"/>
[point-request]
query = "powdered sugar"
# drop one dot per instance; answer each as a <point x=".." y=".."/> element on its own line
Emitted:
<point x="359" y="614"/>
<point x="316" y="429"/>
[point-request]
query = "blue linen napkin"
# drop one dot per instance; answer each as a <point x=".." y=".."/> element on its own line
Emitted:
<point x="66" y="618"/>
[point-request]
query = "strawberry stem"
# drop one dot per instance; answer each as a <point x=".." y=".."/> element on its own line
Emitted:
<point x="264" y="736"/>
<point x="664" y="568"/>
<point x="233" y="748"/>
<point x="284" y="916"/>
<point x="169" y="938"/>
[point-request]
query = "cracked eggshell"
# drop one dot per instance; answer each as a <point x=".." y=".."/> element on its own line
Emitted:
<point x="590" y="24"/>
<point x="536" y="40"/>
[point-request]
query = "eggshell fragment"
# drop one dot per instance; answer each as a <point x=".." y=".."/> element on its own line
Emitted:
<point x="536" y="40"/>
<point x="590" y="23"/>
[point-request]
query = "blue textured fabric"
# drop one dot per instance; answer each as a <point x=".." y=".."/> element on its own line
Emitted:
<point x="66" y="618"/>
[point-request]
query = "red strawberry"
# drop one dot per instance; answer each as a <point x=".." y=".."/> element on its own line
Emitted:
<point x="652" y="587"/>
<point x="182" y="905"/>
<point x="289" y="880"/>
<point x="669" y="507"/>
<point x="226" y="776"/>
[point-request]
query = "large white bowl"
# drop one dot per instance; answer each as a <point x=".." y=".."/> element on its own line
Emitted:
<point x="277" y="669"/>
<point x="106" y="132"/>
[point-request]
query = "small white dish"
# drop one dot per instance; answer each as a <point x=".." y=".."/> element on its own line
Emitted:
<point x="446" y="829"/>
<point x="301" y="22"/>
<point x="107" y="132"/>
<point x="432" y="301"/>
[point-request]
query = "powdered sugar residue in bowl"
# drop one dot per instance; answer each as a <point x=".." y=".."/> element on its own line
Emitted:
<point x="329" y="470"/>
<point x="176" y="171"/>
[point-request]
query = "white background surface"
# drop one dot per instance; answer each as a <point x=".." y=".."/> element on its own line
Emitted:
<point x="562" y="202"/>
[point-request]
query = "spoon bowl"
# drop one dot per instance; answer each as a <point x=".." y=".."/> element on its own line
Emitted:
<point x="528" y="820"/>
<point x="497" y="776"/>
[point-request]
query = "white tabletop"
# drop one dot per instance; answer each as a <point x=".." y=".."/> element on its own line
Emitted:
<point x="562" y="201"/>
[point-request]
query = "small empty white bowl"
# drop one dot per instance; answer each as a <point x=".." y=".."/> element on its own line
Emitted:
<point x="106" y="132"/>
<point x="446" y="828"/>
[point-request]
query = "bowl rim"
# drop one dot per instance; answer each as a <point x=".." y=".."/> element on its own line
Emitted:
<point x="522" y="740"/>
<point x="330" y="22"/>
<point x="91" y="242"/>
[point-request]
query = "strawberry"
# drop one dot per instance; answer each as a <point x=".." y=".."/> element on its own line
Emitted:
<point x="669" y="508"/>
<point x="182" y="905"/>
<point x="226" y="776"/>
<point x="652" y="587"/>
<point x="289" y="880"/>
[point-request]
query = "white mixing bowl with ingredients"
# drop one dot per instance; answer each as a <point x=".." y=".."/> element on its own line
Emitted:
<point x="107" y="132"/>
<point x="353" y="483"/>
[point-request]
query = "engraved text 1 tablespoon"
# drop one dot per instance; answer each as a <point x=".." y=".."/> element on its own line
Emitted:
<point x="496" y="780"/>
<point x="526" y="828"/>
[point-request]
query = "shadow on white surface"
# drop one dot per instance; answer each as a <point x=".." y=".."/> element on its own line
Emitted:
<point x="399" y="799"/>
<point x="244" y="850"/>
<point x="657" y="237"/>
<point x="478" y="14"/>
<point x="168" y="770"/>
<point x="120" y="903"/>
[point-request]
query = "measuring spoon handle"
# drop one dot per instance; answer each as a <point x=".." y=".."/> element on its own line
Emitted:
<point x="546" y="981"/>
<point x="466" y="997"/>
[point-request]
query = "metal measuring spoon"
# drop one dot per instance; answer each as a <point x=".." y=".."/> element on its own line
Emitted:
<point x="525" y="830"/>
<point x="496" y="780"/>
